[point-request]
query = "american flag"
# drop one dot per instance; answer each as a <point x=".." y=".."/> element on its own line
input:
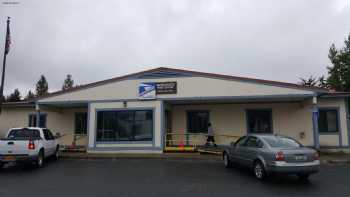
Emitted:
<point x="8" y="37"/>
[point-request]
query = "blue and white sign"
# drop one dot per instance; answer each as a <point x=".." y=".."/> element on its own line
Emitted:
<point x="147" y="90"/>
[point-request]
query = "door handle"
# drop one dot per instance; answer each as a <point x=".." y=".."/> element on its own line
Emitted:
<point x="10" y="143"/>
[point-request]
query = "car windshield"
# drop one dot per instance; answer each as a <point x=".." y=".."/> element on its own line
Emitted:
<point x="281" y="142"/>
<point x="24" y="134"/>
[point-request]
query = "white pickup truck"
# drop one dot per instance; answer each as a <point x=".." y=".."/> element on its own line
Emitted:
<point x="28" y="145"/>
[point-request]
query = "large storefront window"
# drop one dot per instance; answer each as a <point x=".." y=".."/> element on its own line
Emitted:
<point x="128" y="125"/>
<point x="259" y="121"/>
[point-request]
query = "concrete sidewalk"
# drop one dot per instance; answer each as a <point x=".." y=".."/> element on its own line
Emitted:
<point x="186" y="156"/>
<point x="335" y="158"/>
<point x="326" y="158"/>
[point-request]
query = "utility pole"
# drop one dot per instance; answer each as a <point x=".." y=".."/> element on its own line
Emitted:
<point x="6" y="51"/>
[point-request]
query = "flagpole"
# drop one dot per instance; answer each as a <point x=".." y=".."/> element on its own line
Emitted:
<point x="4" y="67"/>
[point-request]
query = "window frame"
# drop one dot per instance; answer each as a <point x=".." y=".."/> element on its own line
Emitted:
<point x="269" y="110"/>
<point x="337" y="110"/>
<point x="35" y="116"/>
<point x="75" y="123"/>
<point x="152" y="141"/>
<point x="188" y="120"/>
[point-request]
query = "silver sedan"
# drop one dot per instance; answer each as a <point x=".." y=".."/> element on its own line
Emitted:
<point x="267" y="154"/>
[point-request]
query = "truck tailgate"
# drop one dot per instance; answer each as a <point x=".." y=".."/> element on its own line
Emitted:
<point x="14" y="147"/>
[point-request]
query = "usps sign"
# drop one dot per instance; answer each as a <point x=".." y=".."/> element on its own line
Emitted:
<point x="147" y="91"/>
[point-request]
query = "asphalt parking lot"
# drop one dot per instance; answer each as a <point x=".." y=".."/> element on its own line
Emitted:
<point x="160" y="177"/>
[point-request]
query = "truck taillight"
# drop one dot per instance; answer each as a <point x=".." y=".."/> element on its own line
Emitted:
<point x="31" y="145"/>
<point x="316" y="156"/>
<point x="279" y="156"/>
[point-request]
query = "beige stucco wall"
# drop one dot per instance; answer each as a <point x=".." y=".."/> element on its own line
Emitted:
<point x="155" y="105"/>
<point x="63" y="122"/>
<point x="187" y="87"/>
<point x="329" y="140"/>
<point x="230" y="119"/>
<point x="289" y="119"/>
<point x="14" y="117"/>
<point x="58" y="121"/>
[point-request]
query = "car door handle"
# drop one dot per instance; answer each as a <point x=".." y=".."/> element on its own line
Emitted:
<point x="10" y="143"/>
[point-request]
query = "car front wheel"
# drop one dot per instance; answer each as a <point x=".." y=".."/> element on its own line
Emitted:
<point x="259" y="170"/>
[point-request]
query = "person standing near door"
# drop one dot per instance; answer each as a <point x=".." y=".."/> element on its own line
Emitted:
<point x="210" y="137"/>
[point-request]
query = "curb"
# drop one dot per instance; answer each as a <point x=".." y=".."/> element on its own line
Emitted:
<point x="183" y="157"/>
<point x="337" y="161"/>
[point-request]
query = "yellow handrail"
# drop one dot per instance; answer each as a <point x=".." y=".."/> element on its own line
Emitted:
<point x="180" y="140"/>
<point x="204" y="134"/>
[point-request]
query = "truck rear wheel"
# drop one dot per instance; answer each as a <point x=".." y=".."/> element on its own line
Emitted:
<point x="39" y="163"/>
<point x="56" y="155"/>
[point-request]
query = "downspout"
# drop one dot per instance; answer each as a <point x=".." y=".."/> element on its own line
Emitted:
<point x="162" y="123"/>
<point x="315" y="114"/>
<point x="347" y="110"/>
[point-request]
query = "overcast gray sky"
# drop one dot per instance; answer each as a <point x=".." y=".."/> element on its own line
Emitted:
<point x="96" y="40"/>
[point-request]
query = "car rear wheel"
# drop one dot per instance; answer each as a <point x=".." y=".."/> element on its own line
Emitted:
<point x="259" y="170"/>
<point x="227" y="161"/>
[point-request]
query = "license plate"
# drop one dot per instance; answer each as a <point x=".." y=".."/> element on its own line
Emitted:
<point x="9" y="158"/>
<point x="300" y="158"/>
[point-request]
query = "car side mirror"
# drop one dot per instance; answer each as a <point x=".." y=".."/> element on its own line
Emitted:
<point x="233" y="144"/>
<point x="58" y="135"/>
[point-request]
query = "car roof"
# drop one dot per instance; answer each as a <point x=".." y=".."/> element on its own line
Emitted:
<point x="263" y="134"/>
<point x="27" y="128"/>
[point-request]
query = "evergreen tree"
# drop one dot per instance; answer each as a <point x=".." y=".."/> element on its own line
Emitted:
<point x="2" y="99"/>
<point x="322" y="82"/>
<point x="42" y="86"/>
<point x="14" y="97"/>
<point x="68" y="82"/>
<point x="30" y="95"/>
<point x="339" y="72"/>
